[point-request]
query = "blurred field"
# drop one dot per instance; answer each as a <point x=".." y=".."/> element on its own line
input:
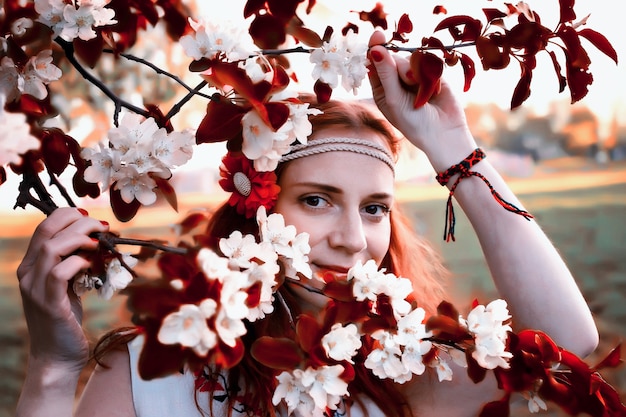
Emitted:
<point x="583" y="211"/>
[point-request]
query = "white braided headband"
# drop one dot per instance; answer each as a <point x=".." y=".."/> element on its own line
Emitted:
<point x="360" y="146"/>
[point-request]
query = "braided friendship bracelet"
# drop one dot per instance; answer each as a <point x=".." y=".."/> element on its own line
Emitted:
<point x="463" y="168"/>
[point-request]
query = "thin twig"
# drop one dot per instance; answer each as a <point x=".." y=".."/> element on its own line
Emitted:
<point x="55" y="181"/>
<point x="161" y="71"/>
<point x="178" y="106"/>
<point x="68" y="48"/>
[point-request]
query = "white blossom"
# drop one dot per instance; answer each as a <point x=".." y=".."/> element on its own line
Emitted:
<point x="74" y="21"/>
<point x="367" y="280"/>
<point x="385" y="361"/>
<point x="15" y="136"/>
<point x="342" y="342"/>
<point x="258" y="137"/>
<point x="272" y="229"/>
<point x="486" y="323"/>
<point x="210" y="40"/>
<point x="298" y="126"/>
<point x="444" y="372"/>
<point x="11" y="81"/>
<point x="117" y="276"/>
<point x="188" y="327"/>
<point x="239" y="249"/>
<point x="341" y="56"/>
<point x="298" y="262"/>
<point x="325" y="385"/>
<point x="21" y="25"/>
<point x="535" y="403"/>
<point x="137" y="152"/>
<point x="213" y="265"/>
<point x="229" y="329"/>
<point x="39" y="71"/>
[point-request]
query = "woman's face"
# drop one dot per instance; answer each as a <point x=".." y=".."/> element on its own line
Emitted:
<point x="342" y="200"/>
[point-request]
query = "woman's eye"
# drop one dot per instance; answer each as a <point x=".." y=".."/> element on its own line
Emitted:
<point x="313" y="201"/>
<point x="376" y="209"/>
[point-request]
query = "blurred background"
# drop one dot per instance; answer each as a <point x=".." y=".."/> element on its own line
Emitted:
<point x="567" y="162"/>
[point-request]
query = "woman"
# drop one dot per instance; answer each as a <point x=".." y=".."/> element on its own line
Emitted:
<point x="349" y="219"/>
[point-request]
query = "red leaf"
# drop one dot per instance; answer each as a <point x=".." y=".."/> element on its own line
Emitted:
<point x="323" y="91"/>
<point x="175" y="16"/>
<point x="492" y="54"/>
<point x="225" y="74"/>
<point x="496" y="408"/>
<point x="340" y="290"/>
<point x="167" y="190"/>
<point x="447" y="309"/>
<point x="276" y="114"/>
<point x="599" y="41"/>
<point x="227" y="356"/>
<point x="611" y="360"/>
<point x="476" y="372"/>
<point x="471" y="27"/>
<point x="306" y="36"/>
<point x="252" y="7"/>
<point x="404" y="24"/>
<point x="557" y="69"/>
<point x="89" y="51"/>
<point x="493" y="14"/>
<point x="83" y="188"/>
<point x="276" y="353"/>
<point x="440" y="10"/>
<point x="221" y="122"/>
<point x="191" y="222"/>
<point x="376" y="16"/>
<point x="267" y="31"/>
<point x="123" y="211"/>
<point x="308" y="331"/>
<point x="522" y="89"/>
<point x="3" y="175"/>
<point x="427" y="69"/>
<point x="578" y="80"/>
<point x="567" y="11"/>
<point x="469" y="70"/>
<point x="56" y="152"/>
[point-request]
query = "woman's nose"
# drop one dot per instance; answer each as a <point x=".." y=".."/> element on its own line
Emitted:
<point x="349" y="233"/>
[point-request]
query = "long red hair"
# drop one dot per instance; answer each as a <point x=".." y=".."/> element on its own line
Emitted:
<point x="408" y="256"/>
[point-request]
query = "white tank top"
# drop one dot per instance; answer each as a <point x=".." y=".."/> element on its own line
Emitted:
<point x="175" y="395"/>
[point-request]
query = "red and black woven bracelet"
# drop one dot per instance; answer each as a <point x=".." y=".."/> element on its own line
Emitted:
<point x="463" y="169"/>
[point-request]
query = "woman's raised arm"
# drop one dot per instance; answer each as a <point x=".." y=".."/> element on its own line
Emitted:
<point x="527" y="270"/>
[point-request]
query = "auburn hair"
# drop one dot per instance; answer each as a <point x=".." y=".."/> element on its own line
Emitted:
<point x="408" y="256"/>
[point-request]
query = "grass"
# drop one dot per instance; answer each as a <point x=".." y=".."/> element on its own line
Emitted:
<point x="587" y="224"/>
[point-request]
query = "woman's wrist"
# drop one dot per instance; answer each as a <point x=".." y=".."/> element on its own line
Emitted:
<point x="450" y="149"/>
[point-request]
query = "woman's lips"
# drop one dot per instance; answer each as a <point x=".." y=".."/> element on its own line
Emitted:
<point x="331" y="272"/>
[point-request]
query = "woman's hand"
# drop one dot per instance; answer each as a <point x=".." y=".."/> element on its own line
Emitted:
<point x="53" y="312"/>
<point x="438" y="128"/>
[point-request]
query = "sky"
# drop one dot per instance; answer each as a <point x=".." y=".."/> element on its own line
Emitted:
<point x="606" y="95"/>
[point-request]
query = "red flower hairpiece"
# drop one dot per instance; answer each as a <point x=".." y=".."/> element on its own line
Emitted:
<point x="249" y="188"/>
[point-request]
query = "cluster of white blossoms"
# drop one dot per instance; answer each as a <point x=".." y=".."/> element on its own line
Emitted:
<point x="15" y="136"/>
<point x="312" y="391"/>
<point x="486" y="323"/>
<point x="137" y="151"/>
<point x="344" y="56"/>
<point x="210" y="40"/>
<point x="71" y="21"/>
<point x="245" y="265"/>
<point x="117" y="278"/>
<point x="264" y="145"/>
<point x="32" y="78"/>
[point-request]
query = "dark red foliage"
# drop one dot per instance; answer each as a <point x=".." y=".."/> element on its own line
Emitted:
<point x="122" y="210"/>
<point x="221" y="122"/>
<point x="377" y="16"/>
<point x="55" y="148"/>
<point x="427" y="69"/>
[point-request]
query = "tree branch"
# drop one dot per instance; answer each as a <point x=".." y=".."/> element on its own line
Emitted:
<point x="68" y="48"/>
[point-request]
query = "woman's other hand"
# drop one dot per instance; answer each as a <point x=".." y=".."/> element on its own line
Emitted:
<point x="53" y="312"/>
<point x="438" y="128"/>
